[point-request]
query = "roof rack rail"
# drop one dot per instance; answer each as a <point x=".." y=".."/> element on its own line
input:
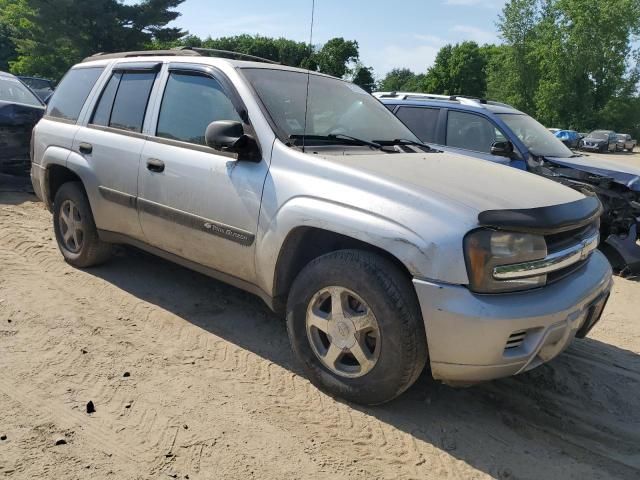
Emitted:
<point x="178" y="51"/>
<point x="140" y="53"/>
<point x="462" y="99"/>
<point x="230" y="53"/>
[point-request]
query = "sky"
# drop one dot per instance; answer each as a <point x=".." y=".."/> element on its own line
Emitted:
<point x="393" y="33"/>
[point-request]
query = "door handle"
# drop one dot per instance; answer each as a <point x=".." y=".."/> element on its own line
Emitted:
<point x="155" y="165"/>
<point x="86" y="148"/>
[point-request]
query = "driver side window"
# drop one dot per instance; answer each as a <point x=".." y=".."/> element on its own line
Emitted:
<point x="471" y="132"/>
<point x="190" y="103"/>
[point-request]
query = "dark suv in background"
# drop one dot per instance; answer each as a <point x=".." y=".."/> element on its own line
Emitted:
<point x="602" y="141"/>
<point x="499" y="133"/>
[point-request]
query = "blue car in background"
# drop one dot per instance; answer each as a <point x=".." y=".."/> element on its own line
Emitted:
<point x="570" y="138"/>
<point x="499" y="133"/>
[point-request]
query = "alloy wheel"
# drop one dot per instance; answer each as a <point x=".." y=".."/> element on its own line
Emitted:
<point x="343" y="332"/>
<point x="71" y="226"/>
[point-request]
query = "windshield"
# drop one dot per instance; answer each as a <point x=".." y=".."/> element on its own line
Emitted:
<point x="539" y="140"/>
<point x="600" y="135"/>
<point x="13" y="91"/>
<point x="37" y="83"/>
<point x="335" y="107"/>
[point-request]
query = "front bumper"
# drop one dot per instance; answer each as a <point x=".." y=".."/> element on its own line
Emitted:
<point x="473" y="338"/>
<point x="38" y="180"/>
<point x="593" y="148"/>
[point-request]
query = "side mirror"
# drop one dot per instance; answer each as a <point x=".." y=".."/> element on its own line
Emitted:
<point x="229" y="136"/>
<point x="502" y="149"/>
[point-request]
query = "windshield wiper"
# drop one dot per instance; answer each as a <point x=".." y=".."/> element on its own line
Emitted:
<point x="345" y="139"/>
<point x="404" y="141"/>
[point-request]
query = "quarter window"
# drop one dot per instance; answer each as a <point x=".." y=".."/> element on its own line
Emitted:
<point x="471" y="132"/>
<point x="69" y="97"/>
<point x="102" y="114"/>
<point x="421" y="121"/>
<point x="124" y="101"/>
<point x="190" y="103"/>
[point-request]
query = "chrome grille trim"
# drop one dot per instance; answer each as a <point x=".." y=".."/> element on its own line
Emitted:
<point x="551" y="263"/>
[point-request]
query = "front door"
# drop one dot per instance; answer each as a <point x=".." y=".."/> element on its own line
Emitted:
<point x="196" y="202"/>
<point x="471" y="134"/>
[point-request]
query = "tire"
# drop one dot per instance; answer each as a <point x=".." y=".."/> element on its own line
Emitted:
<point x="89" y="249"/>
<point x="388" y="295"/>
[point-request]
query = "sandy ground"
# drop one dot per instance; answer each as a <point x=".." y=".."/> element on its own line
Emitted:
<point x="212" y="391"/>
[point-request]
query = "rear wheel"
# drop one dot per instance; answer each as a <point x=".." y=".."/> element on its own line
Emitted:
<point x="75" y="228"/>
<point x="355" y="326"/>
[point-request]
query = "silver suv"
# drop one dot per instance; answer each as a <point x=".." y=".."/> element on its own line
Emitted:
<point x="382" y="252"/>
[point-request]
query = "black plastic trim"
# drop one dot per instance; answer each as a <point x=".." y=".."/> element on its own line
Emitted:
<point x="544" y="220"/>
<point x="118" y="197"/>
<point x="196" y="222"/>
<point x="137" y="67"/>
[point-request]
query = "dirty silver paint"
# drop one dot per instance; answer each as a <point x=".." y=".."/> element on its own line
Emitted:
<point x="231" y="218"/>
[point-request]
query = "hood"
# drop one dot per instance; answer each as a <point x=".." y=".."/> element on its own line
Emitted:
<point x="619" y="171"/>
<point x="13" y="114"/>
<point x="477" y="184"/>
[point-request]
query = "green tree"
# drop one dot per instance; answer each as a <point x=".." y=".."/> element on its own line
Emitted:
<point x="363" y="76"/>
<point x="335" y="56"/>
<point x="54" y="35"/>
<point x="570" y="63"/>
<point x="13" y="22"/>
<point x="458" y="69"/>
<point x="514" y="79"/>
<point x="281" y="50"/>
<point x="402" y="80"/>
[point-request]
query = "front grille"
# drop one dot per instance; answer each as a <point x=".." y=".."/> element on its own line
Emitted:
<point x="564" y="240"/>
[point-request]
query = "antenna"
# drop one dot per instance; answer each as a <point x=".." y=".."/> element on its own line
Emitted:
<point x="306" y="101"/>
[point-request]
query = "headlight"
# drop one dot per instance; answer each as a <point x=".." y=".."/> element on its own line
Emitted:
<point x="486" y="249"/>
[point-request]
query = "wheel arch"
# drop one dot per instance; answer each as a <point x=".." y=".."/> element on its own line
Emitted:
<point x="70" y="168"/>
<point x="306" y="228"/>
<point x="304" y="244"/>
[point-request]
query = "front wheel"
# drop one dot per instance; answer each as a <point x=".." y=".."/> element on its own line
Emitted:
<point x="75" y="228"/>
<point x="355" y="326"/>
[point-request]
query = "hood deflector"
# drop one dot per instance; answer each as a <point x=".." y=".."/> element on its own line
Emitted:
<point x="544" y="220"/>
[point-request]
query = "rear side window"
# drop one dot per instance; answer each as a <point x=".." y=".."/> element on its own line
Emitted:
<point x="190" y="103"/>
<point x="123" y="102"/>
<point x="421" y="121"/>
<point x="102" y="114"/>
<point x="69" y="97"/>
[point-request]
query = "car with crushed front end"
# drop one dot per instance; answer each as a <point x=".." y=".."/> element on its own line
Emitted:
<point x="20" y="110"/>
<point x="499" y="133"/>
<point x="382" y="253"/>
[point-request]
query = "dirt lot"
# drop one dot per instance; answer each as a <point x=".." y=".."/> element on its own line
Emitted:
<point x="213" y="391"/>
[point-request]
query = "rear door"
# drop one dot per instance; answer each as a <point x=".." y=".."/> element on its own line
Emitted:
<point x="422" y="121"/>
<point x="112" y="142"/>
<point x="195" y="202"/>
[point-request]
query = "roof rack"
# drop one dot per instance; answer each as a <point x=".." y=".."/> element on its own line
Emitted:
<point x="461" y="99"/>
<point x="230" y="53"/>
<point x="141" y="53"/>
<point x="179" y="51"/>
